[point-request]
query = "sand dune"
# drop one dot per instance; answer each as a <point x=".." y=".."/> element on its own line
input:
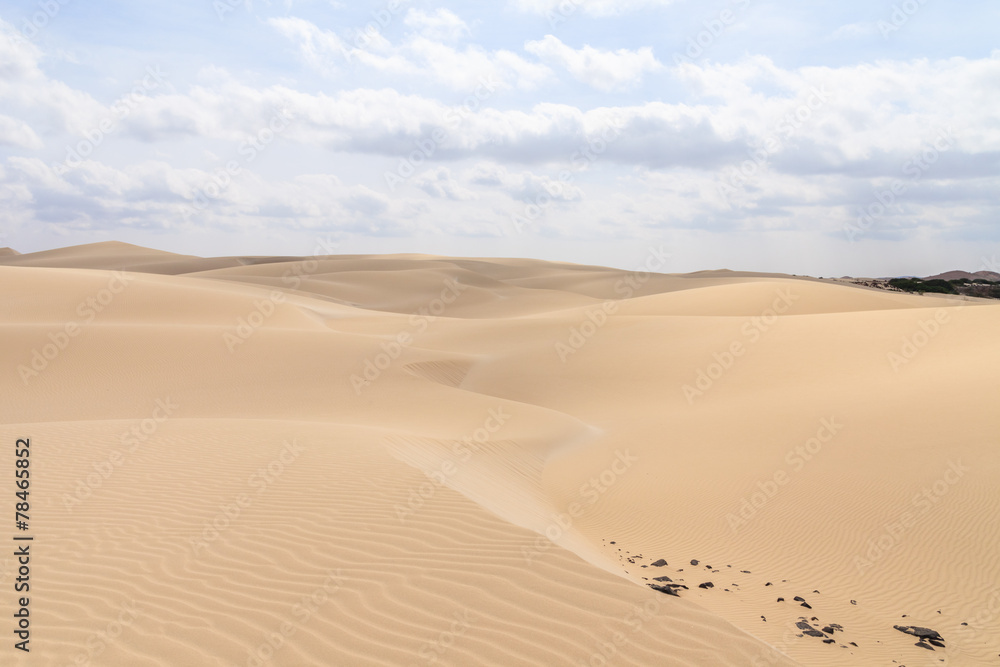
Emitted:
<point x="416" y="460"/>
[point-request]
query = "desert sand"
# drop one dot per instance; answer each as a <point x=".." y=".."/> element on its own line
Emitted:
<point x="417" y="460"/>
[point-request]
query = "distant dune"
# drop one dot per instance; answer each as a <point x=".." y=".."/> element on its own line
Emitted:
<point x="424" y="460"/>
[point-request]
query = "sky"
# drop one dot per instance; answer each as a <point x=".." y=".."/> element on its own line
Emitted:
<point x="820" y="138"/>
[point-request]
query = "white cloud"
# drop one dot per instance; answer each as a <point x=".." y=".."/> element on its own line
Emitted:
<point x="416" y="57"/>
<point x="525" y="186"/>
<point x="853" y="31"/>
<point x="26" y="88"/>
<point x="604" y="70"/>
<point x="441" y="24"/>
<point x="439" y="183"/>
<point x="317" y="47"/>
<point x="15" y="132"/>
<point x="591" y="7"/>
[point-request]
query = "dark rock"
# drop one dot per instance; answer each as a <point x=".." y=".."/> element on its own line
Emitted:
<point x="808" y="630"/>
<point x="669" y="589"/>
<point x="659" y="563"/>
<point x="964" y="623"/>
<point x="764" y="619"/>
<point x="923" y="645"/>
<point x="829" y="641"/>
<point x="694" y="562"/>
<point x="828" y="630"/>
<point x="852" y="644"/>
<point x="781" y="599"/>
<point x="799" y="598"/>
<point x="745" y="571"/>
<point x="614" y="543"/>
<point x="662" y="579"/>
<point x="935" y="642"/>
<point x="768" y="584"/>
<point x="919" y="632"/>
<point x="854" y="601"/>
<point x="707" y="584"/>
<point x="807" y="605"/>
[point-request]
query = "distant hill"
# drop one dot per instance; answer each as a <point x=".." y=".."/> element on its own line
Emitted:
<point x="959" y="275"/>
<point x="8" y="251"/>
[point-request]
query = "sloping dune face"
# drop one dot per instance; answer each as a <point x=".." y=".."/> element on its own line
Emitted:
<point x="417" y="460"/>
